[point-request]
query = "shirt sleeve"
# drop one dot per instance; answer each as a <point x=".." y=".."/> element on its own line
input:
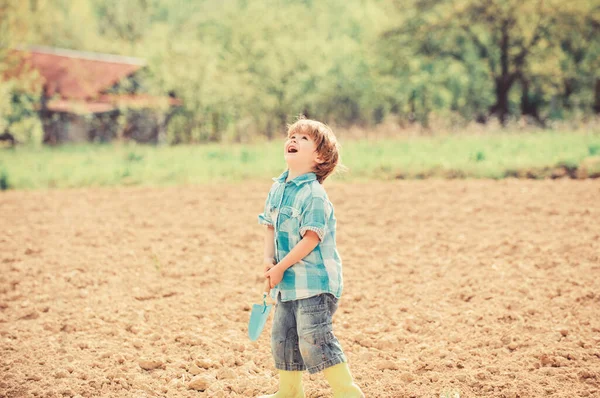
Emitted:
<point x="264" y="218"/>
<point x="314" y="218"/>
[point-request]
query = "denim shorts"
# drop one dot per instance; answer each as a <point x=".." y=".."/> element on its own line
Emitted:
<point x="302" y="336"/>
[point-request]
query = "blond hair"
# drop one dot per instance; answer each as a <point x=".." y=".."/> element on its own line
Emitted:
<point x="327" y="146"/>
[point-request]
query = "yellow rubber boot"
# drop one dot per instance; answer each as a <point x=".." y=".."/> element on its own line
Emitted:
<point x="290" y="385"/>
<point x="341" y="382"/>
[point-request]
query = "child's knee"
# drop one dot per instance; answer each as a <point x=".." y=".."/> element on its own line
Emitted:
<point x="320" y="351"/>
<point x="284" y="343"/>
<point x="314" y="345"/>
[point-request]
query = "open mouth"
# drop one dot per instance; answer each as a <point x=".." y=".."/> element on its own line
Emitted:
<point x="292" y="150"/>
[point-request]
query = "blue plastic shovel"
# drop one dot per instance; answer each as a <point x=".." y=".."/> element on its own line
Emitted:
<point x="259" y="315"/>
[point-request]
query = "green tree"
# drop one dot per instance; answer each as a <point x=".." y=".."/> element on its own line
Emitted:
<point x="18" y="91"/>
<point x="518" y="41"/>
<point x="246" y="68"/>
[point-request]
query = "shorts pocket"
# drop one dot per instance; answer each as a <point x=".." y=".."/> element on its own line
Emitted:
<point x="313" y="304"/>
<point x="314" y="320"/>
<point x="314" y="309"/>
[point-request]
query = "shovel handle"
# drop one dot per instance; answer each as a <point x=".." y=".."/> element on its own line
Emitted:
<point x="267" y="286"/>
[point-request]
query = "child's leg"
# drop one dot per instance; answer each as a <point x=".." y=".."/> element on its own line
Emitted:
<point x="284" y="347"/>
<point x="320" y="349"/>
<point x="284" y="338"/>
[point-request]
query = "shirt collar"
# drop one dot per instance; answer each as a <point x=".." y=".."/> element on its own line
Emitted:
<point x="301" y="179"/>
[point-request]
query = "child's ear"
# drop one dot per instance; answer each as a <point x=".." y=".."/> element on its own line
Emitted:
<point x="319" y="160"/>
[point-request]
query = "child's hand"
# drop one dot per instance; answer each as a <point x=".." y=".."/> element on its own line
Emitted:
<point x="268" y="263"/>
<point x="275" y="275"/>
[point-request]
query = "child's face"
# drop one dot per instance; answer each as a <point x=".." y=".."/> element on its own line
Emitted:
<point x="300" y="152"/>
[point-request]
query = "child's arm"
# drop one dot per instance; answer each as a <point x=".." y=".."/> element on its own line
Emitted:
<point x="269" y="251"/>
<point x="269" y="238"/>
<point x="301" y="250"/>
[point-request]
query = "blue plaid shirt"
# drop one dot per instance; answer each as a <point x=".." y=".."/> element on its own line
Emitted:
<point x="293" y="208"/>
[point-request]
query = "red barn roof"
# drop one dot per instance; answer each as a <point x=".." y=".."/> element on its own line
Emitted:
<point x="77" y="81"/>
<point x="79" y="75"/>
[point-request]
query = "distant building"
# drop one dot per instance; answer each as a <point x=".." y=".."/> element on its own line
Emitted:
<point x="84" y="94"/>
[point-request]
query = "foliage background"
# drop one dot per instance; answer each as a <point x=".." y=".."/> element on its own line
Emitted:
<point x="246" y="68"/>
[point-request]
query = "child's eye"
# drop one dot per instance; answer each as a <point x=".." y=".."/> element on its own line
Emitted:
<point x="304" y="138"/>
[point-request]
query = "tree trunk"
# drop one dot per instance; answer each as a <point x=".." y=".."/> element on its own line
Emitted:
<point x="500" y="108"/>
<point x="568" y="90"/>
<point x="305" y="112"/>
<point x="413" y="107"/>
<point x="282" y="120"/>
<point x="505" y="81"/>
<point x="597" y="96"/>
<point x="528" y="107"/>
<point x="215" y="135"/>
<point x="269" y="131"/>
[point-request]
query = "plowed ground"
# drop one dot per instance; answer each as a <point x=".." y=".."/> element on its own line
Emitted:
<point x="482" y="288"/>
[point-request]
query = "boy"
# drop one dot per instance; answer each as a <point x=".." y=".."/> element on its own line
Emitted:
<point x="303" y="266"/>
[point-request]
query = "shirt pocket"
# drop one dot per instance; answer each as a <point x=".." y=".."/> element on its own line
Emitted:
<point x="272" y="210"/>
<point x="289" y="219"/>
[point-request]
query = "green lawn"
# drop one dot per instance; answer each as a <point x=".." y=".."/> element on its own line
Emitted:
<point x="465" y="156"/>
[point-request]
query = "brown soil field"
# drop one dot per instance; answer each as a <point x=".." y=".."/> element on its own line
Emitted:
<point x="475" y="287"/>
